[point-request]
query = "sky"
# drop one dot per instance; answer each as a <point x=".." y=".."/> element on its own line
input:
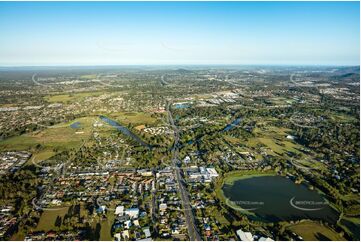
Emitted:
<point x="172" y="33"/>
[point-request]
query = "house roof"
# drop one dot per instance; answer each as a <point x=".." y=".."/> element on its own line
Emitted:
<point x="244" y="236"/>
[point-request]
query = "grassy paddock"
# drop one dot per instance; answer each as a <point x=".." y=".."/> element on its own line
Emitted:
<point x="48" y="218"/>
<point x="311" y="230"/>
<point x="40" y="156"/>
<point x="134" y="118"/>
<point x="63" y="98"/>
<point x="106" y="226"/>
<point x="231" y="177"/>
<point x="60" y="136"/>
<point x="351" y="225"/>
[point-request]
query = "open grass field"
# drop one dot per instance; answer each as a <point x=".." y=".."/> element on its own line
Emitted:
<point x="352" y="226"/>
<point x="231" y="177"/>
<point x="281" y="100"/>
<point x="48" y="218"/>
<point x="60" y="137"/>
<point x="311" y="164"/>
<point x="63" y="98"/>
<point x="90" y="76"/>
<point x="275" y="139"/>
<point x="41" y="156"/>
<point x="231" y="139"/>
<point x="218" y="215"/>
<point x="55" y="138"/>
<point x="134" y="118"/>
<point x="310" y="230"/>
<point x="20" y="236"/>
<point x="106" y="226"/>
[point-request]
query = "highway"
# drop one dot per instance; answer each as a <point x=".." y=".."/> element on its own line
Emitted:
<point x="192" y="229"/>
<point x="36" y="82"/>
<point x="163" y="82"/>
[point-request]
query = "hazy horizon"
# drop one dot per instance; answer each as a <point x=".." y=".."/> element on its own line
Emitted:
<point x="179" y="33"/>
<point x="177" y="65"/>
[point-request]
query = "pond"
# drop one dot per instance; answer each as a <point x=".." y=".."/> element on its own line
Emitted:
<point x="181" y="105"/>
<point x="75" y="125"/>
<point x="276" y="198"/>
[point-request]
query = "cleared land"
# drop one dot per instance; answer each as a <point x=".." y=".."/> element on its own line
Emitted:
<point x="275" y="139"/>
<point x="60" y="136"/>
<point x="63" y="98"/>
<point x="48" y="218"/>
<point x="134" y="118"/>
<point x="310" y="230"/>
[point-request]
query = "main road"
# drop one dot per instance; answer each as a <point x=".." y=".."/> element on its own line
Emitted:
<point x="188" y="213"/>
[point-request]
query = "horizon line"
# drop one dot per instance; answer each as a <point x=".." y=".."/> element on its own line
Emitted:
<point x="184" y="64"/>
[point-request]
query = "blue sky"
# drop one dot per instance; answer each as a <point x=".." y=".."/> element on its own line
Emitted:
<point x="111" y="33"/>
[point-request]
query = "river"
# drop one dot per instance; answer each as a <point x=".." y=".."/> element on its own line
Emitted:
<point x="125" y="131"/>
<point x="233" y="124"/>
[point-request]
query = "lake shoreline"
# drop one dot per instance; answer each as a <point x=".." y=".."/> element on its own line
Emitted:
<point x="241" y="175"/>
<point x="241" y="186"/>
<point x="230" y="177"/>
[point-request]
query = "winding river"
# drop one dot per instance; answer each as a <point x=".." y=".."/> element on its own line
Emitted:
<point x="124" y="131"/>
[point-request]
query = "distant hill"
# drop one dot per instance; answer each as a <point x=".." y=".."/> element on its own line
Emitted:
<point x="183" y="71"/>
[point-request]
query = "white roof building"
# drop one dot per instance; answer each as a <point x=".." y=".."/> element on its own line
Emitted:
<point x="146" y="232"/>
<point x="127" y="224"/>
<point x="212" y="172"/>
<point x="132" y="212"/>
<point x="244" y="236"/>
<point x="163" y="206"/>
<point x="125" y="234"/>
<point x="187" y="159"/>
<point x="145" y="172"/>
<point x="265" y="239"/>
<point x="119" y="210"/>
<point x="117" y="237"/>
<point x="290" y="137"/>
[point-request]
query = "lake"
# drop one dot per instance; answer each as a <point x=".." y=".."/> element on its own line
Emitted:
<point x="276" y="198"/>
<point x="181" y="105"/>
<point x="75" y="125"/>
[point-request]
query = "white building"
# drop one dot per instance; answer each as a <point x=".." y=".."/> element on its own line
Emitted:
<point x="265" y="239"/>
<point x="125" y="234"/>
<point x="132" y="212"/>
<point x="290" y="137"/>
<point x="187" y="159"/>
<point x="162" y="206"/>
<point x="119" y="210"/>
<point x="153" y="185"/>
<point x="127" y="224"/>
<point x="145" y="172"/>
<point x="212" y="172"/>
<point x="244" y="236"/>
<point x="146" y="231"/>
<point x="117" y="237"/>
